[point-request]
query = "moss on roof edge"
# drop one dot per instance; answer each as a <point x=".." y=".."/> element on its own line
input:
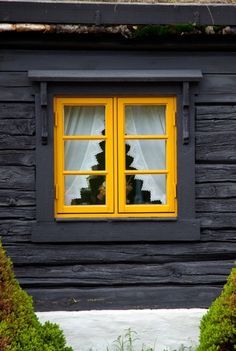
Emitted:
<point x="126" y="31"/>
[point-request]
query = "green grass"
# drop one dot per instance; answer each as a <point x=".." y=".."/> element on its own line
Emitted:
<point x="127" y="342"/>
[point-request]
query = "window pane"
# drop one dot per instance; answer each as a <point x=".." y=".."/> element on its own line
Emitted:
<point x="84" y="155"/>
<point x="145" y="154"/>
<point x="85" y="190"/>
<point x="145" y="120"/>
<point x="84" y="120"/>
<point x="146" y="189"/>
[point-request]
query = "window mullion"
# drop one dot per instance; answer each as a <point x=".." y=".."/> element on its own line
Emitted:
<point x="115" y="155"/>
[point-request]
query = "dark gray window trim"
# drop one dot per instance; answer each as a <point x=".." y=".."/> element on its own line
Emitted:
<point x="116" y="75"/>
<point x="184" y="228"/>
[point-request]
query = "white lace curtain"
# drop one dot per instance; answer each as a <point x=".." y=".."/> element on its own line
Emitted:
<point x="81" y="120"/>
<point x="148" y="155"/>
<point x="89" y="120"/>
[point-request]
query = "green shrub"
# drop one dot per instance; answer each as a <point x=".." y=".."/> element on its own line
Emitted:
<point x="218" y="326"/>
<point x="20" y="329"/>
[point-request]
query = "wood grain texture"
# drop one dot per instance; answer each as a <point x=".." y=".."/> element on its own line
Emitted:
<point x="14" y="79"/>
<point x="216" y="205"/>
<point x="216" y="190"/>
<point x="16" y="110"/>
<point x="10" y="197"/>
<point x="216" y="112"/>
<point x="17" y="212"/>
<point x="16" y="142"/>
<point x="179" y="273"/>
<point x="215" y="173"/>
<point x="13" y="231"/>
<point x="218" y="84"/>
<point x="215" y="125"/>
<point x="222" y="235"/>
<point x="77" y="299"/>
<point x="67" y="254"/>
<point x="17" y="126"/>
<point x="17" y="177"/>
<point x="17" y="158"/>
<point x="220" y="147"/>
<point x="217" y="220"/>
<point x="16" y="94"/>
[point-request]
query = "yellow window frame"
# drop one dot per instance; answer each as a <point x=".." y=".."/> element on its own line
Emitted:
<point x="60" y="173"/>
<point x="115" y="171"/>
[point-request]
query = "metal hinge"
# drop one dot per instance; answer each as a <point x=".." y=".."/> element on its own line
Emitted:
<point x="55" y="118"/>
<point x="175" y="191"/>
<point x="56" y="191"/>
<point x="175" y="119"/>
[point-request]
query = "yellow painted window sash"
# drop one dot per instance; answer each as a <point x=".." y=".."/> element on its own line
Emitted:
<point x="60" y="173"/>
<point x="170" y="171"/>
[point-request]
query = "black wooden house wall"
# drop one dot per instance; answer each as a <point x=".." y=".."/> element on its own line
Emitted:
<point x="121" y="275"/>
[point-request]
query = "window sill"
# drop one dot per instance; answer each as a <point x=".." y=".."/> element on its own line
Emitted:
<point x="117" y="230"/>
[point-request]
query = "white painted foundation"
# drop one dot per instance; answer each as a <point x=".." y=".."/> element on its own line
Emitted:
<point x="164" y="329"/>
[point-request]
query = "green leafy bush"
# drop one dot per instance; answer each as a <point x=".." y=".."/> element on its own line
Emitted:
<point x="218" y="326"/>
<point x="20" y="329"/>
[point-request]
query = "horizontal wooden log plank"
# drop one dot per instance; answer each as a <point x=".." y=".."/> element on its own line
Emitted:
<point x="215" y="173"/>
<point x="12" y="231"/>
<point x="216" y="125"/>
<point x="218" y="83"/>
<point x="76" y="299"/>
<point x="218" y="235"/>
<point x="215" y="112"/>
<point x="17" y="158"/>
<point x="216" y="205"/>
<point x="24" y="94"/>
<point x="17" y="177"/>
<point x="14" y="79"/>
<point x="33" y="254"/>
<point x="15" y="230"/>
<point x="219" y="146"/>
<point x="123" y="274"/>
<point x="216" y="99"/>
<point x="9" y="197"/>
<point x="9" y="227"/>
<point x="19" y="60"/>
<point x="217" y="220"/>
<point x="17" y="212"/>
<point x="17" y="110"/>
<point x="16" y="142"/>
<point x="17" y="126"/>
<point x="24" y="238"/>
<point x="215" y="190"/>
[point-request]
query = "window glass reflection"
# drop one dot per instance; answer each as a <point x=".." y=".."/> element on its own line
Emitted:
<point x="85" y="190"/>
<point x="146" y="189"/>
<point x="84" y="120"/>
<point x="145" y="120"/>
<point x="85" y="155"/>
<point x="145" y="154"/>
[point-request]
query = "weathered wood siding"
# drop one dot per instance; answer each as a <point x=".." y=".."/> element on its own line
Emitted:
<point x="121" y="275"/>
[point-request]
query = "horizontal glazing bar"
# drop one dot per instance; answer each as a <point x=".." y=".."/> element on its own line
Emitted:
<point x="84" y="137"/>
<point x="135" y="171"/>
<point x="84" y="172"/>
<point x="146" y="137"/>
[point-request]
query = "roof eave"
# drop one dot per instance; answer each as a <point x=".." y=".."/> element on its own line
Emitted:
<point x="116" y="13"/>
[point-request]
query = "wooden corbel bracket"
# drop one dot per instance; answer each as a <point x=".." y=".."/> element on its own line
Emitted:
<point x="44" y="112"/>
<point x="186" y="113"/>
